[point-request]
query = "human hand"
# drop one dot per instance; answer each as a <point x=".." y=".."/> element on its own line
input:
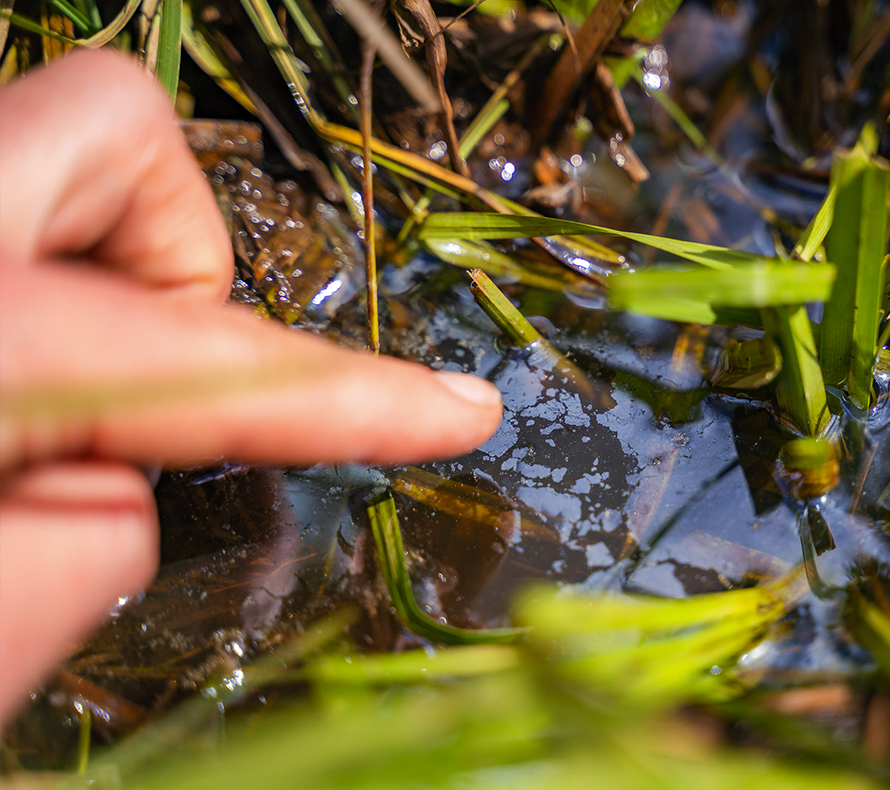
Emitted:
<point x="116" y="351"/>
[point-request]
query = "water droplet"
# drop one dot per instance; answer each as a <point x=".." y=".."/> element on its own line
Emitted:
<point x="651" y="81"/>
<point x="438" y="150"/>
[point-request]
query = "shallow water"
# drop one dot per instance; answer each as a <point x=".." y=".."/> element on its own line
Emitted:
<point x="632" y="473"/>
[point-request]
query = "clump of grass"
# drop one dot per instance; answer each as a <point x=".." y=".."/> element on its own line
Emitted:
<point x="590" y="690"/>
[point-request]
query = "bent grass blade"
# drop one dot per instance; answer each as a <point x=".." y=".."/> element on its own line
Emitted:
<point x="391" y="555"/>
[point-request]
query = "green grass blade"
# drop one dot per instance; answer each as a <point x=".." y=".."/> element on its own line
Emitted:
<point x="480" y="255"/>
<point x="91" y="11"/>
<point x="34" y="27"/>
<point x="684" y="122"/>
<point x="744" y="285"/>
<point x="800" y="390"/>
<point x="648" y="18"/>
<point x="857" y="243"/>
<point x="473" y="225"/>
<point x="306" y="19"/>
<point x="502" y="311"/>
<point x="415" y="666"/>
<point x="266" y="25"/>
<point x="391" y="556"/>
<point x="671" y="645"/>
<point x="170" y="46"/>
<point x="79" y="19"/>
<point x="811" y="239"/>
<point x="871" y="625"/>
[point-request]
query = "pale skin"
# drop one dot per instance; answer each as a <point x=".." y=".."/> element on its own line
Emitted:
<point x="114" y="266"/>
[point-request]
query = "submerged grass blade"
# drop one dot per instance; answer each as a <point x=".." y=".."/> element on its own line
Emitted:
<point x="521" y="333"/>
<point x="474" y="225"/>
<point x="467" y="502"/>
<point x="870" y="624"/>
<point x="391" y="556"/>
<point x="857" y="243"/>
<point x="480" y="255"/>
<point x="747" y="364"/>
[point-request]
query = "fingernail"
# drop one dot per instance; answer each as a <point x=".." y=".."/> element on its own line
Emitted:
<point x="470" y="388"/>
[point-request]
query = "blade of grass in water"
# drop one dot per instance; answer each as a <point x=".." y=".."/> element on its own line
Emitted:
<point x="480" y="255"/>
<point x="391" y="556"/>
<point x="520" y="332"/>
<point x="467" y="502"/>
<point x="578" y="700"/>
<point x="800" y="390"/>
<point x="672" y="645"/>
<point x="414" y="666"/>
<point x="870" y="624"/>
<point x="857" y="242"/>
<point x="502" y="311"/>
<point x="474" y="225"/>
<point x="743" y="285"/>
